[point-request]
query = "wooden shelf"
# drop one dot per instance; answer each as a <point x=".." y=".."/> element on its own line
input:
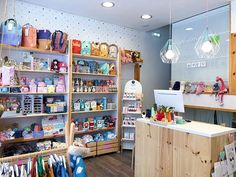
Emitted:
<point x="94" y="131"/>
<point x="33" y="154"/>
<point x="29" y="93"/>
<point x="132" y="113"/>
<point x="12" y="86"/>
<point x="87" y="93"/>
<point x="21" y="140"/>
<point x="39" y="71"/>
<point x="35" y="50"/>
<point x="125" y="139"/>
<point x="93" y="57"/>
<point x="128" y="126"/>
<point x="83" y="112"/>
<point x="93" y="74"/>
<point x="33" y="115"/>
<point x="131" y="99"/>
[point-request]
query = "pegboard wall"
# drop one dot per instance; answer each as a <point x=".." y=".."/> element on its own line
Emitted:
<point x="76" y="26"/>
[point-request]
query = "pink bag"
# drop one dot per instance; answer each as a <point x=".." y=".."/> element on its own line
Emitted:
<point x="29" y="36"/>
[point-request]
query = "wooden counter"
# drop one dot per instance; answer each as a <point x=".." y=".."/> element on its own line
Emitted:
<point x="188" y="150"/>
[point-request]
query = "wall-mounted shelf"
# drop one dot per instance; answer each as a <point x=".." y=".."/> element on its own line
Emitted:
<point x="28" y="93"/>
<point x="83" y="112"/>
<point x="34" y="50"/>
<point x="94" y="131"/>
<point x="21" y="140"/>
<point x="33" y="115"/>
<point x="93" y="93"/>
<point x="39" y="71"/>
<point x="93" y="74"/>
<point x="93" y="57"/>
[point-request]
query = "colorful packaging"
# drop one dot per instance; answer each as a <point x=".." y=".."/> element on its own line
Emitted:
<point x="95" y="49"/>
<point x="86" y="48"/>
<point x="76" y="46"/>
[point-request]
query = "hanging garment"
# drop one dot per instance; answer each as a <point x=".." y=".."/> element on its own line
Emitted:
<point x="49" y="171"/>
<point x="33" y="168"/>
<point x="40" y="169"/>
<point x="78" y="166"/>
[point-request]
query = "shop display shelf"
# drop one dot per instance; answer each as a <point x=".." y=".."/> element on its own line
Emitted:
<point x="82" y="112"/>
<point x="128" y="126"/>
<point x="105" y="147"/>
<point x="21" y="140"/>
<point x="40" y="71"/>
<point x="36" y="93"/>
<point x="93" y="57"/>
<point x="94" y="131"/>
<point x="44" y="153"/>
<point x="131" y="99"/>
<point x="125" y="139"/>
<point x="34" y="50"/>
<point x="87" y="93"/>
<point x="131" y="113"/>
<point x="33" y="115"/>
<point x="93" y="74"/>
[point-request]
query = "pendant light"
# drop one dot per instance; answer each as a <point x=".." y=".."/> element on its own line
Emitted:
<point x="170" y="52"/>
<point x="207" y="45"/>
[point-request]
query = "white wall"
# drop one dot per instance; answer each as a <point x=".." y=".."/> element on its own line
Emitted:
<point x="153" y="73"/>
<point x="233" y="16"/>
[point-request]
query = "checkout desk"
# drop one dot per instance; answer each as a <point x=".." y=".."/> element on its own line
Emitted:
<point x="187" y="150"/>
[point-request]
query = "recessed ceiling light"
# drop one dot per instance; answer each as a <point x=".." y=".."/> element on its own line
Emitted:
<point x="146" y="16"/>
<point x="156" y="34"/>
<point x="189" y="29"/>
<point x="108" y="4"/>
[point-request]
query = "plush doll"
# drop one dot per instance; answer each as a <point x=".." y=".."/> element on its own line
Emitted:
<point x="187" y="88"/>
<point x="223" y="89"/>
<point x="216" y="89"/>
<point x="104" y="50"/>
<point x="54" y="65"/>
<point x="200" y="88"/>
<point x="86" y="48"/>
<point x="113" y="51"/>
<point x="112" y="69"/>
<point x="95" y="49"/>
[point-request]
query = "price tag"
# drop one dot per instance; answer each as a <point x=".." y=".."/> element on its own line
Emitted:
<point x="10" y="26"/>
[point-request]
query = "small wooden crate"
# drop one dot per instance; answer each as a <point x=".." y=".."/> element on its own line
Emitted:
<point x="93" y="149"/>
<point x="105" y="147"/>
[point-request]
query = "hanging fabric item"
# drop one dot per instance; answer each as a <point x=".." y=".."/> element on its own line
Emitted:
<point x="41" y="171"/>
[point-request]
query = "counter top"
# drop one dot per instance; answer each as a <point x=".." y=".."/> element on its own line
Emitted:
<point x="197" y="128"/>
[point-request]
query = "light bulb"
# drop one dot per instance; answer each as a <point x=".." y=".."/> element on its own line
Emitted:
<point x="170" y="54"/>
<point x="207" y="47"/>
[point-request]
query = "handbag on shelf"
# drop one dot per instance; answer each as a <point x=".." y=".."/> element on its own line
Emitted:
<point x="59" y="41"/>
<point x="10" y="33"/>
<point x="29" y="36"/>
<point x="44" y="39"/>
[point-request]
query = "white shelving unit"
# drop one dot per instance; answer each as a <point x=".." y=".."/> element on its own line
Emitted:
<point x="132" y="109"/>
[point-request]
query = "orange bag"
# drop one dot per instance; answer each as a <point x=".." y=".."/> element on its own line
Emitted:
<point x="29" y="36"/>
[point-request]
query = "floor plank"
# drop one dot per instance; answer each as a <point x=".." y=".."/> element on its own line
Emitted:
<point x="110" y="165"/>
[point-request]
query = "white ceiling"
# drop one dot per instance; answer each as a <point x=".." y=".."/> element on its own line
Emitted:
<point x="127" y="12"/>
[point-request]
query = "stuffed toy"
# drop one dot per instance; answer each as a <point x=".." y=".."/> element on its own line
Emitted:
<point x="187" y="88"/>
<point x="55" y="65"/>
<point x="113" y="51"/>
<point x="112" y="69"/>
<point x="216" y="89"/>
<point x="134" y="56"/>
<point x="200" y="88"/>
<point x="193" y="87"/>
<point x="86" y="48"/>
<point x="95" y="49"/>
<point x="182" y="86"/>
<point x="223" y="89"/>
<point x="104" y="50"/>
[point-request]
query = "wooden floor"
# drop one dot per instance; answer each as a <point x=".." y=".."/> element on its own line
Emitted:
<point x="111" y="165"/>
